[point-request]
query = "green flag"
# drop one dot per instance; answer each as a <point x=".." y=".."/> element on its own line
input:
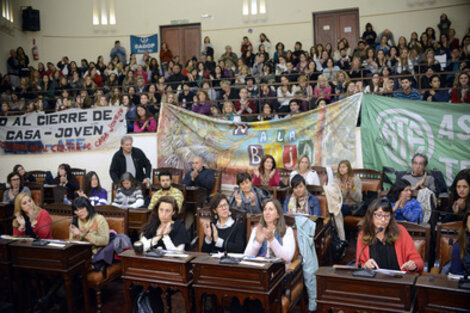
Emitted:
<point x="393" y="130"/>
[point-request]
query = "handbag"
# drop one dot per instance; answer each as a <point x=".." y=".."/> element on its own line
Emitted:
<point x="337" y="246"/>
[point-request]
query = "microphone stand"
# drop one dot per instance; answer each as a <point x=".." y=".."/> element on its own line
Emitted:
<point x="226" y="259"/>
<point x="43" y="242"/>
<point x="363" y="272"/>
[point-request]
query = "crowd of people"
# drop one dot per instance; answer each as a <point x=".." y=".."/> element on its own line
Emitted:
<point x="387" y="243"/>
<point x="261" y="81"/>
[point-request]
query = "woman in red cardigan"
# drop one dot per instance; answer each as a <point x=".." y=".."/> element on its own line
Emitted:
<point x="266" y="174"/>
<point x="387" y="244"/>
<point x="30" y="220"/>
<point x="461" y="91"/>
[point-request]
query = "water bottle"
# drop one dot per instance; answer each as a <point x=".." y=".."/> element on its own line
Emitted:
<point x="66" y="200"/>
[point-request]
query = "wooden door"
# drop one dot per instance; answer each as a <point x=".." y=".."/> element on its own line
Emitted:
<point x="330" y="27"/>
<point x="183" y="40"/>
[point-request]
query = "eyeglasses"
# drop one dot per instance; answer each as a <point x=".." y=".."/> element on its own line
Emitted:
<point x="223" y="206"/>
<point x="384" y="217"/>
<point x="15" y="179"/>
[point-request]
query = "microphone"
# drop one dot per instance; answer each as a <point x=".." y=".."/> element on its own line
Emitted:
<point x="44" y="242"/>
<point x="225" y="259"/>
<point x="362" y="272"/>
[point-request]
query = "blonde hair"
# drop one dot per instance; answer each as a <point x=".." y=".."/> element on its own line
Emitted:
<point x="18" y="210"/>
<point x="228" y="103"/>
<point x="297" y="167"/>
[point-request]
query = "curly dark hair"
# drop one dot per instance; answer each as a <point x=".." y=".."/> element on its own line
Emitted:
<point x="149" y="229"/>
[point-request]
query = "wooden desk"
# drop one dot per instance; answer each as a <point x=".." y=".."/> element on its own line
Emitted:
<point x="6" y="218"/>
<point x="241" y="281"/>
<point x="165" y="272"/>
<point x="437" y="293"/>
<point x="54" y="194"/>
<point x="137" y="219"/>
<point x="68" y="260"/>
<point x="6" y="271"/>
<point x="340" y="290"/>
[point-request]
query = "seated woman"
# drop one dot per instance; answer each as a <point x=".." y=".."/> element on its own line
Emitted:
<point x="301" y="201"/>
<point x="27" y="177"/>
<point x="88" y="225"/>
<point x="459" y="197"/>
<point x="271" y="237"/>
<point x="128" y="196"/>
<point x="225" y="228"/>
<point x="384" y="243"/>
<point x="304" y="169"/>
<point x="405" y="207"/>
<point x="16" y="187"/>
<point x="30" y="220"/>
<point x="93" y="190"/>
<point x="66" y="179"/>
<point x="351" y="187"/>
<point x="161" y="230"/>
<point x="144" y="121"/>
<point x="246" y="197"/>
<point x="266" y="174"/>
<point x="460" y="264"/>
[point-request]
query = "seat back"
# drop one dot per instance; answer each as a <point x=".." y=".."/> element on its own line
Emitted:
<point x="284" y="174"/>
<point x="117" y="218"/>
<point x="371" y="180"/>
<point x="421" y="235"/>
<point x="37" y="192"/>
<point x="446" y="235"/>
<point x="61" y="216"/>
<point x="176" y="174"/>
<point x="217" y="182"/>
<point x="322" y="174"/>
<point x="79" y="175"/>
<point x="39" y="175"/>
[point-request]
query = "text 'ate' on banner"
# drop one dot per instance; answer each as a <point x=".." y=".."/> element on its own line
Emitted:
<point x="393" y="130"/>
<point x="326" y="136"/>
<point x="65" y="131"/>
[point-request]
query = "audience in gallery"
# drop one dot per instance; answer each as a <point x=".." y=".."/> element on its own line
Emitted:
<point x="52" y="88"/>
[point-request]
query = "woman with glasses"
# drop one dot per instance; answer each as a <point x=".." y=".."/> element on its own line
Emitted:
<point x="224" y="227"/>
<point x="15" y="181"/>
<point x="383" y="243"/>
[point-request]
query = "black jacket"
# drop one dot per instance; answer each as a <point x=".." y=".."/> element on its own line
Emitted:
<point x="204" y="179"/>
<point x="141" y="163"/>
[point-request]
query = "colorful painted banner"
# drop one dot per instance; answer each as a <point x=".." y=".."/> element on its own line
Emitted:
<point x="325" y="135"/>
<point x="141" y="44"/>
<point x="394" y="130"/>
<point x="65" y="131"/>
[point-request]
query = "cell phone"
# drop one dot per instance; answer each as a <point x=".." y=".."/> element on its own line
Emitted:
<point x="74" y="221"/>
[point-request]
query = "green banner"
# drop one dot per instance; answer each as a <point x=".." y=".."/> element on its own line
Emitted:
<point x="394" y="130"/>
<point x="325" y="135"/>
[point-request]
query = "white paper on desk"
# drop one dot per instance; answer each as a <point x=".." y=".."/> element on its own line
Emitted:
<point x="79" y="242"/>
<point x="218" y="255"/>
<point x="259" y="264"/>
<point x="53" y="244"/>
<point x="454" y="277"/>
<point x="262" y="259"/>
<point x="176" y="255"/>
<point x="390" y="272"/>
